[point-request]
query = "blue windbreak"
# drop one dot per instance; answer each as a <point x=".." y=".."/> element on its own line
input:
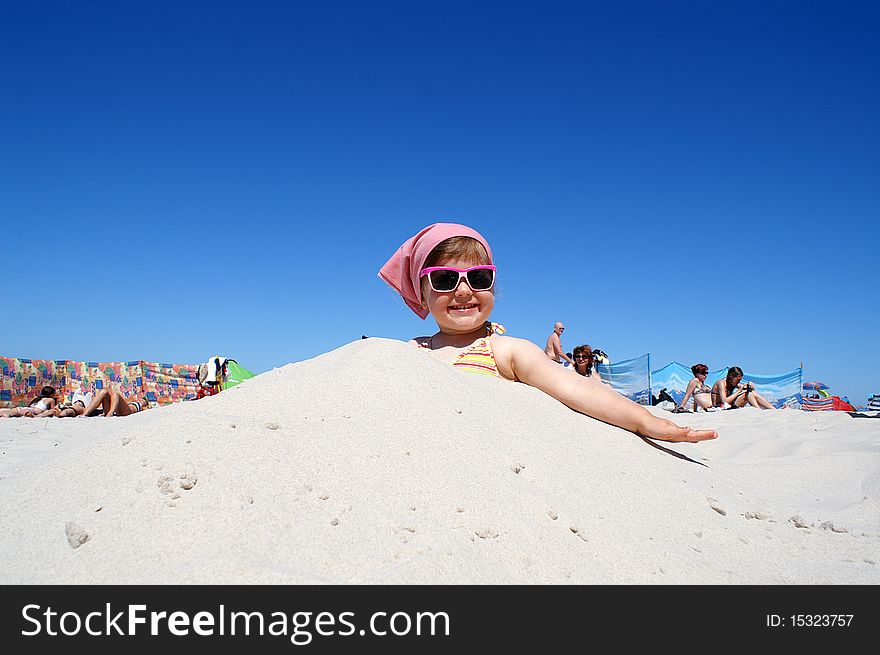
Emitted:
<point x="631" y="377"/>
<point x="780" y="389"/>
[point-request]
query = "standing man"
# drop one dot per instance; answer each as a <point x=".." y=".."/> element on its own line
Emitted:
<point x="554" y="346"/>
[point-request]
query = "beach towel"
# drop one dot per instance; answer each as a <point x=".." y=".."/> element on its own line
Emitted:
<point x="818" y="404"/>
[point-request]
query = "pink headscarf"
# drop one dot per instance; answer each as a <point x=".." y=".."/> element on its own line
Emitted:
<point x="401" y="272"/>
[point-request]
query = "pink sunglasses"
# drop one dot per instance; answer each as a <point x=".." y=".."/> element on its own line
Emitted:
<point x="444" y="279"/>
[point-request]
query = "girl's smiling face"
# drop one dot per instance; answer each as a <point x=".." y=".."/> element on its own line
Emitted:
<point x="460" y="311"/>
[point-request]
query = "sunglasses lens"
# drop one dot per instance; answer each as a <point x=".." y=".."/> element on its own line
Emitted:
<point x="481" y="279"/>
<point x="444" y="280"/>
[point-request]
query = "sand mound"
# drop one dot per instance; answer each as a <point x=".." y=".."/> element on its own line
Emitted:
<point x="376" y="464"/>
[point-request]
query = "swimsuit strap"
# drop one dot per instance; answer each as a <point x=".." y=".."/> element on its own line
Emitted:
<point x="491" y="328"/>
<point x="495" y="328"/>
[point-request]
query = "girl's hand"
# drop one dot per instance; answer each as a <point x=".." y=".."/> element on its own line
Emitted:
<point x="664" y="430"/>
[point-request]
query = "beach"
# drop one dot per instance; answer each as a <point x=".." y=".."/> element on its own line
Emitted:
<point x="374" y="463"/>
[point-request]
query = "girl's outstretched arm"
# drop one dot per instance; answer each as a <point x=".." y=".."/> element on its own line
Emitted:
<point x="523" y="361"/>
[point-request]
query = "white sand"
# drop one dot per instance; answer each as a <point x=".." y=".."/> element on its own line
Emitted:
<point x="386" y="466"/>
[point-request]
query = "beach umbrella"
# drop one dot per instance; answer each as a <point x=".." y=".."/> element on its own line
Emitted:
<point x="815" y="386"/>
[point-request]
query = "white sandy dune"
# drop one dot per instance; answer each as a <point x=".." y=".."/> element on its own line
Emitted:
<point x="377" y="464"/>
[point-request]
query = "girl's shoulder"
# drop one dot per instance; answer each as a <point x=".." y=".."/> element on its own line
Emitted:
<point x="421" y="342"/>
<point x="510" y="342"/>
<point x="509" y="346"/>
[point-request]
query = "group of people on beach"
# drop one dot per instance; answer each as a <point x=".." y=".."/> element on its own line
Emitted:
<point x="446" y="270"/>
<point x="727" y="393"/>
<point x="105" y="402"/>
<point x="581" y="360"/>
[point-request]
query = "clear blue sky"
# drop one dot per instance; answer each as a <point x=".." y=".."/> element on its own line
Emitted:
<point x="699" y="180"/>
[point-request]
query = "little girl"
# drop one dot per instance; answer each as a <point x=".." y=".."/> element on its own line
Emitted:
<point x="446" y="270"/>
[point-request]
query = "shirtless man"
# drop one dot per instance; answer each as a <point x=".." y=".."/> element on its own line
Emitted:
<point x="554" y="346"/>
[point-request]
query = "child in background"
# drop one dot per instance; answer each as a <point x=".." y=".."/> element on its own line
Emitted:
<point x="446" y="271"/>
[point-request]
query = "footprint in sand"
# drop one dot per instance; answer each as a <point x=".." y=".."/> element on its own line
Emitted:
<point x="76" y="536"/>
<point x="798" y="522"/>
<point x="575" y="530"/>
<point x="169" y="485"/>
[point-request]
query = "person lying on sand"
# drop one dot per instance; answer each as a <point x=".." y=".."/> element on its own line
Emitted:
<point x="76" y="407"/>
<point x="446" y="270"/>
<point x="114" y="403"/>
<point x="730" y="394"/>
<point x="41" y="405"/>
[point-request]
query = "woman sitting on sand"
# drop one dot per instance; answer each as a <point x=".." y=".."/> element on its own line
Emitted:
<point x="446" y="270"/>
<point x="728" y="393"/>
<point x="114" y="403"/>
<point x="45" y="403"/>
<point x="698" y="388"/>
<point x="584" y="362"/>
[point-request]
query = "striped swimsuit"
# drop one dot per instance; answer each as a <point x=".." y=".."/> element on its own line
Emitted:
<point x="479" y="358"/>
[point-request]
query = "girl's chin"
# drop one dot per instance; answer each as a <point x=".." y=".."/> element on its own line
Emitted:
<point x="463" y="324"/>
